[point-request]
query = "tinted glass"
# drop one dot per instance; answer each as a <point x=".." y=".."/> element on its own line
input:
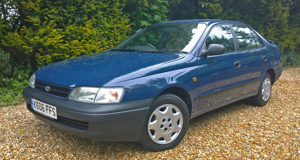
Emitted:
<point x="221" y="34"/>
<point x="165" y="37"/>
<point x="244" y="37"/>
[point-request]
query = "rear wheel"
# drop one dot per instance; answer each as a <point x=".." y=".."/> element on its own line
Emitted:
<point x="264" y="92"/>
<point x="166" y="123"/>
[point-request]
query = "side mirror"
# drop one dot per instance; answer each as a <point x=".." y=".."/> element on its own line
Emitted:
<point x="272" y="42"/>
<point x="214" y="49"/>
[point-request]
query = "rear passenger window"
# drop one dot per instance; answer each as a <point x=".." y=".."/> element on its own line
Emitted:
<point x="221" y="34"/>
<point x="259" y="41"/>
<point x="245" y="38"/>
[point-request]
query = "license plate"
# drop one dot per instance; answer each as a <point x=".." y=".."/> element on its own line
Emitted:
<point x="43" y="108"/>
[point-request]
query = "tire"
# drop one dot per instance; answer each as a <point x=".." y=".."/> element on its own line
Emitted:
<point x="264" y="92"/>
<point x="166" y="123"/>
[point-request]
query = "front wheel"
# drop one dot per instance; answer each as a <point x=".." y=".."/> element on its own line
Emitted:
<point x="166" y="123"/>
<point x="264" y="92"/>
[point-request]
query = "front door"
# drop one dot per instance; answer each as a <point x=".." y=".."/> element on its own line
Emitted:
<point x="219" y="74"/>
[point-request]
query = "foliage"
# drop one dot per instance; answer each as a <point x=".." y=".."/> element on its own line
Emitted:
<point x="1" y="29"/>
<point x="180" y="9"/>
<point x="10" y="94"/>
<point x="291" y="58"/>
<point x="145" y="12"/>
<point x="276" y="20"/>
<point x="52" y="31"/>
<point x="210" y="9"/>
<point x="34" y="33"/>
<point x="13" y="79"/>
<point x="5" y="66"/>
<point x="272" y="25"/>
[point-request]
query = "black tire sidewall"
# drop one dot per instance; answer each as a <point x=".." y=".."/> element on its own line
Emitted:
<point x="146" y="141"/>
<point x="257" y="100"/>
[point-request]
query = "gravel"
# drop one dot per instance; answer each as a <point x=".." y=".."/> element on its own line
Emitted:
<point x="236" y="131"/>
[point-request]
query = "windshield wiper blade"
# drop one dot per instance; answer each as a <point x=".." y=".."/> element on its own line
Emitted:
<point x="127" y="49"/>
<point x="150" y="51"/>
<point x="171" y="50"/>
<point x="137" y="50"/>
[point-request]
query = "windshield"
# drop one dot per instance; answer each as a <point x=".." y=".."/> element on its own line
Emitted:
<point x="168" y="37"/>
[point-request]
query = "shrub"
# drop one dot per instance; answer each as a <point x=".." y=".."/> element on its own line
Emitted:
<point x="13" y="79"/>
<point x="41" y="32"/>
<point x="5" y="66"/>
<point x="145" y="12"/>
<point x="291" y="58"/>
<point x="58" y="30"/>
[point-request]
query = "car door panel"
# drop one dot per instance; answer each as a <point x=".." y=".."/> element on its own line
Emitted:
<point x="253" y="57"/>
<point x="219" y="74"/>
<point x="218" y="79"/>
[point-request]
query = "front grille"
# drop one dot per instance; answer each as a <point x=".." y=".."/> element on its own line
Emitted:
<point x="66" y="121"/>
<point x="60" y="91"/>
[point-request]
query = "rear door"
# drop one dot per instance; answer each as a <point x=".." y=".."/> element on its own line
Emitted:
<point x="253" y="58"/>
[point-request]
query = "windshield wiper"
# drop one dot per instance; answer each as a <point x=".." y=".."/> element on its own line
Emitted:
<point x="150" y="51"/>
<point x="172" y="50"/>
<point x="136" y="50"/>
<point x="127" y="49"/>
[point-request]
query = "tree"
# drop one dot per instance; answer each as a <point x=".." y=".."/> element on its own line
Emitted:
<point x="294" y="23"/>
<point x="145" y="12"/>
<point x="277" y="20"/>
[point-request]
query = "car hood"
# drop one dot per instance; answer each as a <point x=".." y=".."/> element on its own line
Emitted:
<point x="98" y="69"/>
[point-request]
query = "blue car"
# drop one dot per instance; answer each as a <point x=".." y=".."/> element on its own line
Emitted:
<point x="148" y="87"/>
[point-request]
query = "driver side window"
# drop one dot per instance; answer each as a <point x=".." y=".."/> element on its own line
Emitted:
<point x="221" y="34"/>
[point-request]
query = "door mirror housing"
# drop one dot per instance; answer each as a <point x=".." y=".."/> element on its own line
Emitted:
<point x="214" y="49"/>
<point x="272" y="42"/>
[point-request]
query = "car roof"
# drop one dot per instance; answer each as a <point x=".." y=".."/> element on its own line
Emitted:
<point x="206" y="21"/>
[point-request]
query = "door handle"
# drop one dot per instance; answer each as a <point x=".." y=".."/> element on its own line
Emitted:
<point x="264" y="58"/>
<point x="237" y="64"/>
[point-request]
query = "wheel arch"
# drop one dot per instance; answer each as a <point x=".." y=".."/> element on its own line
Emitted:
<point x="181" y="93"/>
<point x="272" y="74"/>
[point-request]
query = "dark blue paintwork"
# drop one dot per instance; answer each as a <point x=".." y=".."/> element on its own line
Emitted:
<point x="145" y="76"/>
<point x="98" y="69"/>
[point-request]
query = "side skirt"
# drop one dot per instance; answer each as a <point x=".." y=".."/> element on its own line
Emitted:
<point x="205" y="110"/>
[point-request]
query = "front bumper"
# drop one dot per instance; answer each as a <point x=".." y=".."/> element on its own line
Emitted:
<point x="104" y="122"/>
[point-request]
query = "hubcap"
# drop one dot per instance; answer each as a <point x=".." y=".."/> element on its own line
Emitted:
<point x="165" y="124"/>
<point x="266" y="89"/>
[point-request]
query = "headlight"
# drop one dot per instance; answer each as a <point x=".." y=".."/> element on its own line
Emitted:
<point x="109" y="95"/>
<point x="32" y="81"/>
<point x="97" y="95"/>
<point x="84" y="94"/>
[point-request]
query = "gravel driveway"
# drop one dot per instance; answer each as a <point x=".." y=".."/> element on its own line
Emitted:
<point x="236" y="131"/>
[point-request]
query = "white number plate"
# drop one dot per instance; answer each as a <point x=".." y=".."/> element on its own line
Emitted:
<point x="43" y="108"/>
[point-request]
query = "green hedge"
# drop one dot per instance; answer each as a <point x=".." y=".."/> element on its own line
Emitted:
<point x="58" y="30"/>
<point x="41" y="32"/>
<point x="34" y="33"/>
